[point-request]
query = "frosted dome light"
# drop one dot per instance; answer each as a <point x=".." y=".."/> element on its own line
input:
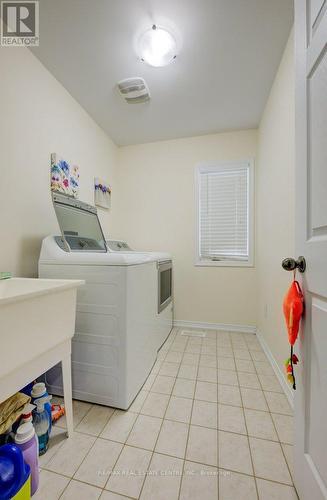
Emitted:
<point x="157" y="47"/>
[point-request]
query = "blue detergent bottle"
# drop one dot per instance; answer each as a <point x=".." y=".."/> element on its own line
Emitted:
<point x="39" y="391"/>
<point x="41" y="424"/>
<point x="15" y="475"/>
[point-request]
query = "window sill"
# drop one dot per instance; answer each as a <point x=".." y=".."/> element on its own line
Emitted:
<point x="223" y="263"/>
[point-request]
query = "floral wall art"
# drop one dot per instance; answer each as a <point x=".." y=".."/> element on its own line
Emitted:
<point x="102" y="193"/>
<point x="64" y="176"/>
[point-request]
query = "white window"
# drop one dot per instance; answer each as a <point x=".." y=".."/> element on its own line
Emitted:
<point x="225" y="214"/>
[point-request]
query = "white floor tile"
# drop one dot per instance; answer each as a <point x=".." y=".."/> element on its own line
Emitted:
<point x="149" y="381"/>
<point x="288" y="452"/>
<point x="227" y="377"/>
<point x="234" y="486"/>
<point x="199" y="482"/>
<point x="224" y="352"/>
<point x="95" y="420"/>
<point x="163" y="385"/>
<point x="274" y="491"/>
<point x="260" y="424"/>
<point x="108" y="495"/>
<point x="258" y="356"/>
<point x="191" y="358"/>
<point x="172" y="439"/>
<point x="231" y="419"/>
<point x="129" y="472"/>
<point x="207" y="374"/>
<point x="263" y="367"/>
<point x="208" y="360"/>
<point x="82" y="491"/>
<point x="244" y="365"/>
<point x="253" y="399"/>
<point x="144" y="432"/>
<point x="234" y="452"/>
<point x="284" y="426"/>
<point x="229" y="395"/>
<point x="193" y="349"/>
<point x="179" y="409"/>
<point x="226" y="363"/>
<point x="174" y="357"/>
<point x="97" y="466"/>
<point x="184" y="388"/>
<point x="206" y="349"/>
<point x="202" y="445"/>
<point x="242" y="354"/>
<point x="164" y="479"/>
<point x="71" y="454"/>
<point x="188" y="371"/>
<point x="278" y="403"/>
<point x="138" y="402"/>
<point x="239" y="344"/>
<point x="155" y="405"/>
<point x="204" y="413"/>
<point x="270" y="383"/>
<point x="119" y="426"/>
<point x="206" y="391"/>
<point x="51" y="486"/>
<point x="268" y="461"/>
<point x="169" y="369"/>
<point x="80" y="409"/>
<point x="254" y="345"/>
<point x="249" y="380"/>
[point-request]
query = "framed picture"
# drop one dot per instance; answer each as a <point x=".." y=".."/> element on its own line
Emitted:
<point x="64" y="176"/>
<point x="102" y="193"/>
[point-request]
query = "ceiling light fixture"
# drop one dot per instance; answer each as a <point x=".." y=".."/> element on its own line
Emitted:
<point x="157" y="47"/>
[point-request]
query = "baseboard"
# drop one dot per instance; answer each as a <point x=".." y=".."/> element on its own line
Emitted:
<point x="215" y="326"/>
<point x="278" y="372"/>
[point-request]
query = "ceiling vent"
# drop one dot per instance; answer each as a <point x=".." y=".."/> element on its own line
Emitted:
<point x="134" y="90"/>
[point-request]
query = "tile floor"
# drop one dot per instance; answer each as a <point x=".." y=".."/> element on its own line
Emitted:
<point x="210" y="422"/>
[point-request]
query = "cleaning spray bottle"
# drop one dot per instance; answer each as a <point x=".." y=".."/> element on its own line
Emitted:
<point x="27" y="414"/>
<point x="41" y="424"/>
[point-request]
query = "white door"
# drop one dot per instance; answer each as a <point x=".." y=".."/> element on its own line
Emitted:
<point x="310" y="451"/>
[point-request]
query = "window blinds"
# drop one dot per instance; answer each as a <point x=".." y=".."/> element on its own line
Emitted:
<point x="224" y="213"/>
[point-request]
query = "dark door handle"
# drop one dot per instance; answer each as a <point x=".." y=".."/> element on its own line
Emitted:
<point x="290" y="264"/>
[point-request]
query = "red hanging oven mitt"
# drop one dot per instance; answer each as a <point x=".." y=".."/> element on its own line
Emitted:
<point x="293" y="310"/>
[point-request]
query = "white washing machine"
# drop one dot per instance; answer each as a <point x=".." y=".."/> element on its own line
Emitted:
<point x="119" y="324"/>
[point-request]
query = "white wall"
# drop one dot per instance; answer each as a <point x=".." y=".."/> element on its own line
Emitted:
<point x="275" y="205"/>
<point x="155" y="210"/>
<point x="39" y="117"/>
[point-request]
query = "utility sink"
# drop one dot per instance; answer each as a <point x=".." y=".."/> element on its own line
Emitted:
<point x="36" y="315"/>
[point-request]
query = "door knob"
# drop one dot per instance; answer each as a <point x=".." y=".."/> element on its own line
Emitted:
<point x="290" y="264"/>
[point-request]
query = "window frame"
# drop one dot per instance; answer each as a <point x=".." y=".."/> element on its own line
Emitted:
<point x="213" y="167"/>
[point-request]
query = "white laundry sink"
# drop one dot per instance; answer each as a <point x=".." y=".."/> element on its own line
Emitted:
<point x="36" y="315"/>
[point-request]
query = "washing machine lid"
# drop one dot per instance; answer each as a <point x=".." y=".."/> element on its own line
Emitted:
<point x="79" y="225"/>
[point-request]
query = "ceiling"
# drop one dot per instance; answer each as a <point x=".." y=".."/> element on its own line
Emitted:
<point x="229" y="51"/>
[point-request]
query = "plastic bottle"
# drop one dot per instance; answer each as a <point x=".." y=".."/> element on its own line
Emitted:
<point x="25" y="439"/>
<point x="15" y="474"/>
<point x="41" y="424"/>
<point x="39" y="391"/>
<point x="27" y="414"/>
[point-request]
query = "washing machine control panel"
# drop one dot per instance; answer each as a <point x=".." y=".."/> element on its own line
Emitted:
<point x="118" y="246"/>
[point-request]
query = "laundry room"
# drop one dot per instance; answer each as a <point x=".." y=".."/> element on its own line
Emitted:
<point x="162" y="205"/>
